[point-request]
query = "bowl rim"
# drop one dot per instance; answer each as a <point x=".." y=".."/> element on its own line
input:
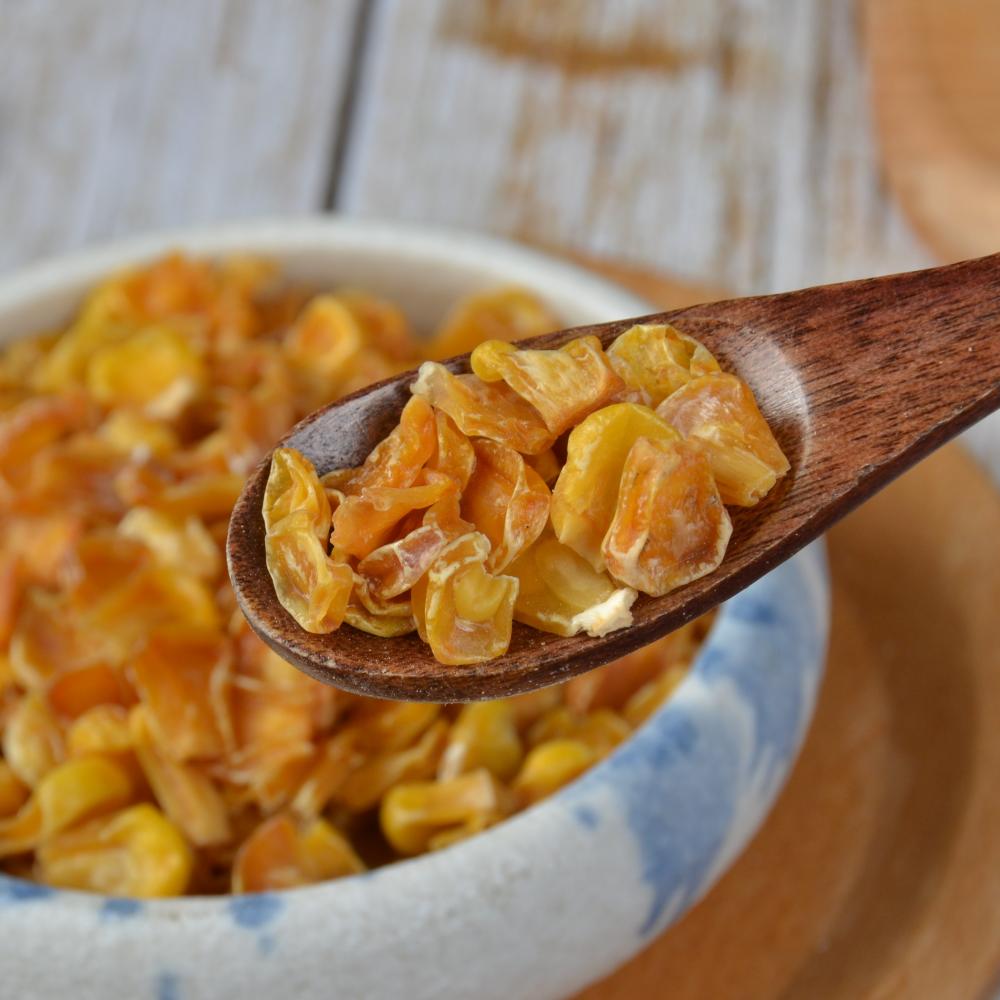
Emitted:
<point x="75" y="272"/>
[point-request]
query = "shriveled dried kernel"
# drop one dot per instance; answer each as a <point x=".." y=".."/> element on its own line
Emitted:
<point x="13" y="792"/>
<point x="324" y="340"/>
<point x="504" y="314"/>
<point x="382" y="323"/>
<point x="32" y="426"/>
<point x="483" y="409"/>
<point x="278" y="855"/>
<point x="311" y="587"/>
<point x="32" y="741"/>
<point x="138" y="436"/>
<point x="364" y="523"/>
<point x="77" y="691"/>
<point x="546" y="464"/>
<point x="338" y="757"/>
<point x="484" y="735"/>
<point x="103" y="729"/>
<point x="669" y="526"/>
<point x="721" y="413"/>
<point x="506" y="500"/>
<point x="586" y="493"/>
<point x="653" y="694"/>
<point x="393" y="569"/>
<point x="182" y="543"/>
<point x="385" y="625"/>
<point x="183" y="677"/>
<point x="411" y="814"/>
<point x="602" y="730"/>
<point x="453" y="454"/>
<point x="205" y="495"/>
<point x="463" y="612"/>
<point x="293" y="486"/>
<point x="135" y="852"/>
<point x="157" y="369"/>
<point x="655" y="360"/>
<point x="561" y="593"/>
<point x="564" y="385"/>
<point x="392" y="725"/>
<point x="46" y="640"/>
<point x="551" y="765"/>
<point x="186" y="794"/>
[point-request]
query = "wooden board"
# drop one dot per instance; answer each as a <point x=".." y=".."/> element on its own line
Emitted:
<point x="878" y="873"/>
<point x="726" y="142"/>
<point x="936" y="88"/>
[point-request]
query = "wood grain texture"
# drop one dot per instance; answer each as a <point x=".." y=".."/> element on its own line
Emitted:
<point x="118" y="116"/>
<point x="726" y="142"/>
<point x="936" y="89"/>
<point x="844" y="377"/>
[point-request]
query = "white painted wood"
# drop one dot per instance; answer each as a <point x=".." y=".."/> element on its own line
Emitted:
<point x="727" y="142"/>
<point x="118" y="116"/>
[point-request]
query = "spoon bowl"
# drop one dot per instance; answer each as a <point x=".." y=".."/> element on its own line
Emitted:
<point x="858" y="381"/>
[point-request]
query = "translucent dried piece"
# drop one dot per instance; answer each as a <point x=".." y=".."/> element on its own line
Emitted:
<point x="182" y="543"/>
<point x="393" y="569"/>
<point x="655" y="360"/>
<point x="46" y="639"/>
<point x="561" y="593"/>
<point x="182" y="676"/>
<point x="446" y="514"/>
<point x="311" y="587"/>
<point x="13" y="792"/>
<point x="135" y="852"/>
<point x="483" y="409"/>
<point x="502" y="314"/>
<point x="669" y="526"/>
<point x="551" y="765"/>
<point x="186" y="794"/>
<point x="157" y="369"/>
<point x="453" y="454"/>
<point x="77" y="691"/>
<point x="396" y="461"/>
<point x="390" y="725"/>
<point x="484" y="735"/>
<point x="366" y="784"/>
<point x="506" y="500"/>
<point x="32" y="740"/>
<point x="277" y="855"/>
<point x="585" y="495"/>
<point x="207" y="495"/>
<point x="138" y="436"/>
<point x="463" y="612"/>
<point x="337" y="759"/>
<point x="44" y="546"/>
<point x="385" y="625"/>
<point x="382" y="323"/>
<point x="292" y="486"/>
<point x="324" y="340"/>
<point x="563" y="385"/>
<point x="546" y="464"/>
<point x="103" y="729"/>
<point x="411" y="814"/>
<point x="34" y="425"/>
<point x="721" y="412"/>
<point x="364" y="523"/>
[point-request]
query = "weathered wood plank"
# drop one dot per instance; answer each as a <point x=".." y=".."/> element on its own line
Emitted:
<point x="125" y="115"/>
<point x="726" y="142"/>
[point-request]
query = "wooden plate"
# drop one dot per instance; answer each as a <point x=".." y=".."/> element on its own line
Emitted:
<point x="878" y="873"/>
<point x="935" y="72"/>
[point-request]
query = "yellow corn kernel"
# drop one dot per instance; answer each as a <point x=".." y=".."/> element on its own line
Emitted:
<point x="326" y="853"/>
<point x="412" y="814"/>
<point x="602" y="730"/>
<point x="550" y="766"/>
<point x="652" y="695"/>
<point x="484" y="735"/>
<point x="136" y="852"/>
<point x="80" y="789"/>
<point x="102" y="729"/>
<point x="32" y="741"/>
<point x="13" y="792"/>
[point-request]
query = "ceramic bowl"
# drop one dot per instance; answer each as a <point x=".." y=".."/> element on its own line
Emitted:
<point x="536" y="907"/>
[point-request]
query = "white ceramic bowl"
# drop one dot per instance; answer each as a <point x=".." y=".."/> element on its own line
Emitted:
<point x="536" y="907"/>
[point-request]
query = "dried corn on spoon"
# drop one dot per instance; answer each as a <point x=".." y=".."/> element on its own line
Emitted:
<point x="858" y="381"/>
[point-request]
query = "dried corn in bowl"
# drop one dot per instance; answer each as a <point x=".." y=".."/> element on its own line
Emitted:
<point x="271" y="784"/>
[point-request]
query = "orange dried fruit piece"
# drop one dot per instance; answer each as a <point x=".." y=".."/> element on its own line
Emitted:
<point x="721" y="413"/>
<point x="395" y="461"/>
<point x="188" y="796"/>
<point x="183" y="543"/>
<point x="33" y="425"/>
<point x="503" y="314"/>
<point x="311" y="587"/>
<point x="463" y="612"/>
<point x="157" y="369"/>
<point x="484" y="735"/>
<point x="135" y="852"/>
<point x="506" y="500"/>
<point x="655" y="360"/>
<point x="483" y="409"/>
<point x="183" y="677"/>
<point x="138" y="436"/>
<point x="453" y="454"/>
<point x="364" y="523"/>
<point x="13" y="792"/>
<point x="75" y="692"/>
<point x="324" y="340"/>
<point x="546" y="464"/>
<point x="338" y="757"/>
<point x="383" y="324"/>
<point x="103" y="729"/>
<point x="670" y="526"/>
<point x="563" y="385"/>
<point x="392" y="569"/>
<point x="387" y="623"/>
<point x="280" y="855"/>
<point x="31" y="739"/>
<point x="412" y="814"/>
<point x="585" y="495"/>
<point x="292" y="485"/>
<point x="561" y="592"/>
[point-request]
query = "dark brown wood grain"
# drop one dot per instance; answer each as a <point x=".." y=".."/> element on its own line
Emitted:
<point x="858" y="381"/>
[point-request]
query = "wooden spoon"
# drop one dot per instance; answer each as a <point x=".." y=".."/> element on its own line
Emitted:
<point x="858" y="381"/>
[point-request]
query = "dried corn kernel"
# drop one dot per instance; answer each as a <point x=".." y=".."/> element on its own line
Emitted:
<point x="32" y="740"/>
<point x="484" y="735"/>
<point x="293" y="486"/>
<point x="13" y="792"/>
<point x="721" y="413"/>
<point x="551" y="765"/>
<point x="181" y="543"/>
<point x="669" y="526"/>
<point x="655" y="360"/>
